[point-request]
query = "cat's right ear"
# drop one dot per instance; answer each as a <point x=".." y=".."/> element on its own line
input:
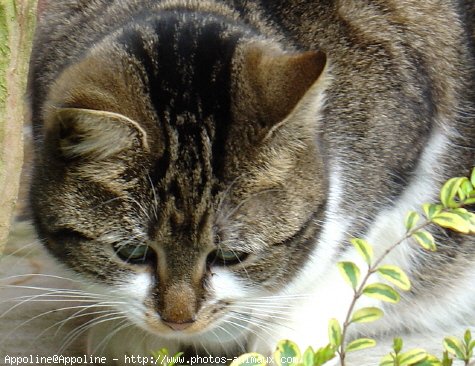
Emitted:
<point x="92" y="134"/>
<point x="277" y="81"/>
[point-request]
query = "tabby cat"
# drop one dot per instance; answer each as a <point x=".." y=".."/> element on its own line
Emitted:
<point x="203" y="164"/>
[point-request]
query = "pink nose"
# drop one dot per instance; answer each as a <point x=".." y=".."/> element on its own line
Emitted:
<point x="178" y="326"/>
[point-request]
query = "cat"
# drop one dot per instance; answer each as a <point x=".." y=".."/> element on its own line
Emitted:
<point x="204" y="164"/>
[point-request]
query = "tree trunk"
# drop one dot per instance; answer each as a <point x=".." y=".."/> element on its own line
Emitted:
<point x="17" y="20"/>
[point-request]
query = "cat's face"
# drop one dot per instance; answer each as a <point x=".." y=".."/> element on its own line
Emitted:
<point x="188" y="214"/>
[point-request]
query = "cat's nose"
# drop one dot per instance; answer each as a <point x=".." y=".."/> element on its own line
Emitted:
<point x="178" y="326"/>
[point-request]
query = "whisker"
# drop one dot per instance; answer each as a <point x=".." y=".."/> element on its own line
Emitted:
<point x="239" y="343"/>
<point x="155" y="198"/>
<point x="38" y="275"/>
<point x="84" y="327"/>
<point x="250" y="330"/>
<point x="227" y="190"/>
<point x="30" y="246"/>
<point x="80" y="314"/>
<point x="122" y="325"/>
<point x="262" y="310"/>
<point x="32" y="298"/>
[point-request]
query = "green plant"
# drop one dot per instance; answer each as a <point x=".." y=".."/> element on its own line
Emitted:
<point x="450" y="213"/>
<point x="162" y="357"/>
<point x="415" y="357"/>
<point x="462" y="349"/>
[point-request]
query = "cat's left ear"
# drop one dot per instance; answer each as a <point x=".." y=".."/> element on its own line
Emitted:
<point x="87" y="133"/>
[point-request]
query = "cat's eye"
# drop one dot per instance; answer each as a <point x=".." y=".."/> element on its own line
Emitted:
<point x="223" y="257"/>
<point x="135" y="254"/>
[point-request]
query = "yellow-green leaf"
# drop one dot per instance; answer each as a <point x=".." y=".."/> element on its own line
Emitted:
<point x="367" y="315"/>
<point x="287" y="353"/>
<point x="452" y="220"/>
<point x="431" y="209"/>
<point x="324" y="354"/>
<point x="472" y="177"/>
<point x="396" y="276"/>
<point x="249" y="359"/>
<point x="387" y="360"/>
<point x="364" y="249"/>
<point x="469" y="201"/>
<point x="334" y="332"/>
<point x="411" y="220"/>
<point x="454" y="346"/>
<point x="360" y="344"/>
<point x="412" y="357"/>
<point x="466" y="188"/>
<point x="449" y="190"/>
<point x="467" y="337"/>
<point x="469" y="218"/>
<point x="431" y="360"/>
<point x="382" y="292"/>
<point x="425" y="240"/>
<point x="397" y="344"/>
<point x="308" y="357"/>
<point x="350" y="272"/>
<point x="471" y="346"/>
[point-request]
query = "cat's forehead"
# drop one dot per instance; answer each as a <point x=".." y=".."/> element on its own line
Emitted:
<point x="185" y="64"/>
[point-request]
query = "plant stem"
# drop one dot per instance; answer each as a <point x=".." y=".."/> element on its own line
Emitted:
<point x="359" y="291"/>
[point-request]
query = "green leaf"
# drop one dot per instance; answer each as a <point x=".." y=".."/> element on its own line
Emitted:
<point x="469" y="218"/>
<point x="446" y="359"/>
<point x="324" y="354"/>
<point x="454" y="346"/>
<point x="163" y="357"/>
<point x="287" y="353"/>
<point x="249" y="359"/>
<point x="308" y="357"/>
<point x="412" y="357"/>
<point x="470" y="348"/>
<point x="350" y="272"/>
<point x="431" y="360"/>
<point x="425" y="240"/>
<point x="411" y="220"/>
<point x="467" y="337"/>
<point x="359" y="344"/>
<point x="430" y="210"/>
<point x="452" y="220"/>
<point x="396" y="276"/>
<point x="364" y="249"/>
<point x="472" y="177"/>
<point x="388" y="360"/>
<point x="469" y="201"/>
<point x="334" y="333"/>
<point x="449" y="191"/>
<point x="466" y="188"/>
<point x="397" y="344"/>
<point x="382" y="292"/>
<point x="367" y="315"/>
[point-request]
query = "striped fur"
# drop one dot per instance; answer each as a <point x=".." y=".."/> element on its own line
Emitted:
<point x="275" y="128"/>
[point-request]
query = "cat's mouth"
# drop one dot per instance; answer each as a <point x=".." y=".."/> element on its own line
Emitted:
<point x="218" y="323"/>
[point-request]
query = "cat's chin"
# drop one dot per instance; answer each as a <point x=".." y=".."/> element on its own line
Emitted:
<point x="221" y="337"/>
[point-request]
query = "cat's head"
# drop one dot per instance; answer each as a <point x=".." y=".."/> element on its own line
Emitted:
<point x="186" y="178"/>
